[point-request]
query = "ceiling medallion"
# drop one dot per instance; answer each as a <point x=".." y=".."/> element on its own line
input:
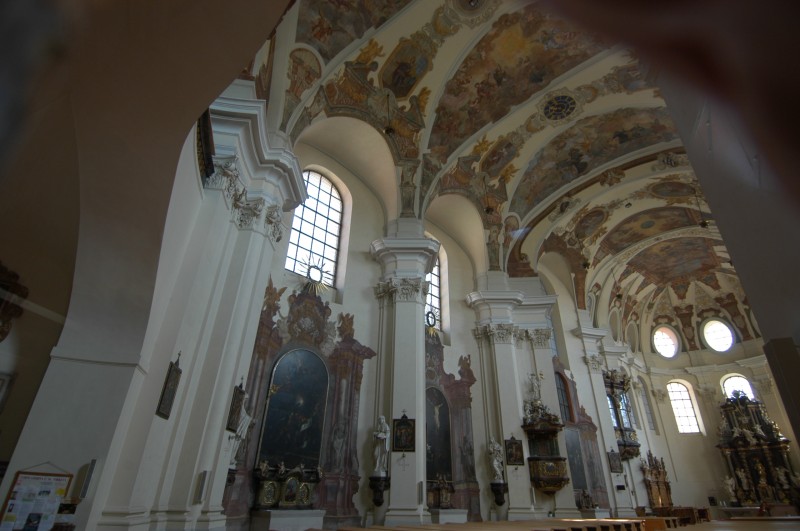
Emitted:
<point x="559" y="107"/>
<point x="470" y="12"/>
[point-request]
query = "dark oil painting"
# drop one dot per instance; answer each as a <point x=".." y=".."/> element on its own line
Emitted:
<point x="295" y="410"/>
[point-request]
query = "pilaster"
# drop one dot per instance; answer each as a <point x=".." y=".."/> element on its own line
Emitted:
<point x="406" y="257"/>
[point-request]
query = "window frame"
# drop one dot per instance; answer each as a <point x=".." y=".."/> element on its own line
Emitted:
<point x="670" y="330"/>
<point x="430" y="297"/>
<point x="562" y="392"/>
<point x="728" y="377"/>
<point x="689" y="400"/>
<point x="726" y="324"/>
<point x="647" y="405"/>
<point x="305" y="215"/>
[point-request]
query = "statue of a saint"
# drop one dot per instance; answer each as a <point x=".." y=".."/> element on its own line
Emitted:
<point x="783" y="477"/>
<point x="242" y="430"/>
<point x="381" y="436"/>
<point x="730" y="487"/>
<point x="744" y="481"/>
<point x="496" y="459"/>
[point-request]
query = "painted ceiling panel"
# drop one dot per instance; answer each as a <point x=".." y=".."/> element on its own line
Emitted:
<point x="522" y="53"/>
<point x="645" y="225"/>
<point x="329" y="26"/>
<point x="586" y="146"/>
<point x="670" y="260"/>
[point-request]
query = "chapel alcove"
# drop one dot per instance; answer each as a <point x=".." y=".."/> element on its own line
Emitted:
<point x="304" y="387"/>
<point x="451" y="479"/>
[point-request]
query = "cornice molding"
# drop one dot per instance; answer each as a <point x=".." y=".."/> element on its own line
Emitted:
<point x="266" y="156"/>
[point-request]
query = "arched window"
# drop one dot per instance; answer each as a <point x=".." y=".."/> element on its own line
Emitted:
<point x="626" y="411"/>
<point x="612" y="409"/>
<point x="737" y="383"/>
<point x="683" y="407"/>
<point x="433" y="302"/>
<point x="646" y="405"/>
<point x="316" y="229"/>
<point x="563" y="399"/>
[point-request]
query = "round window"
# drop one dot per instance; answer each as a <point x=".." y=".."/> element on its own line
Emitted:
<point x="666" y="341"/>
<point x="717" y="335"/>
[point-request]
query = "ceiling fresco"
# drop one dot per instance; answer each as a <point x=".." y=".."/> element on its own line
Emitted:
<point x="590" y="143"/>
<point x="559" y="140"/>
<point x="518" y="57"/>
<point x="329" y="26"/>
<point x="669" y="260"/>
<point x="647" y="224"/>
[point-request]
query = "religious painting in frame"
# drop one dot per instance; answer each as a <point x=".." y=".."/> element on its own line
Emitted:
<point x="614" y="462"/>
<point x="403" y="434"/>
<point x="514" y="452"/>
<point x="235" y="413"/>
<point x="170" y="389"/>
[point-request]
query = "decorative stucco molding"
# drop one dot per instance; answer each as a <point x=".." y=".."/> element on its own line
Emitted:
<point x="595" y="363"/>
<point x="540" y="337"/>
<point x="403" y="289"/>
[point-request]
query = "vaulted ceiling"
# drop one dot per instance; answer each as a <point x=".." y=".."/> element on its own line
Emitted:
<point x="556" y="138"/>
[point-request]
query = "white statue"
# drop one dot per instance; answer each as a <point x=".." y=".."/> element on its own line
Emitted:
<point x="730" y="487"/>
<point x="242" y="429"/>
<point x="496" y="459"/>
<point x="381" y="436"/>
<point x="744" y="481"/>
<point x="783" y="477"/>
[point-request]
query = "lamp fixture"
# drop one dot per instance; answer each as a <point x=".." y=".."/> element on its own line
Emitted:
<point x="703" y="222"/>
<point x="488" y="209"/>
<point x="388" y="130"/>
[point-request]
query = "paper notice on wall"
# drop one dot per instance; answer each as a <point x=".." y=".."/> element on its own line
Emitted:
<point x="34" y="500"/>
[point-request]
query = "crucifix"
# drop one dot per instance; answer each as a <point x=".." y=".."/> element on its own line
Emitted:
<point x="402" y="463"/>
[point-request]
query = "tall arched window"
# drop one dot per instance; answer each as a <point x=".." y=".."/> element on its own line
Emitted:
<point x="316" y="229"/>
<point x="612" y="409"/>
<point x="563" y="399"/>
<point x="646" y="405"/>
<point x="626" y="411"/>
<point x="433" y="302"/>
<point x="737" y="383"/>
<point x="683" y="407"/>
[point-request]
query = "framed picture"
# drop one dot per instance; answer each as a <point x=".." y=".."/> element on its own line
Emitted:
<point x="514" y="452"/>
<point x="403" y="434"/>
<point x="235" y="413"/>
<point x="170" y="389"/>
<point x="614" y="462"/>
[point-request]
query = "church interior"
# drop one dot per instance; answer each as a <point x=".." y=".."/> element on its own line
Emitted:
<point x="308" y="264"/>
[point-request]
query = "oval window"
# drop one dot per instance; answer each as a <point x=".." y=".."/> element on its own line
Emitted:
<point x="665" y="341"/>
<point x="717" y="335"/>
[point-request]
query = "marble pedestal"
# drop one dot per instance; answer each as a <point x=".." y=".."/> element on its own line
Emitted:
<point x="286" y="520"/>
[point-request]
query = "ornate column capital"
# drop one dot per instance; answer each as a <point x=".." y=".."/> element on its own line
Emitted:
<point x="595" y="363"/>
<point x="403" y="289"/>
<point x="540" y="337"/>
<point x="709" y="393"/>
<point x="659" y="394"/>
<point x="246" y="210"/>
